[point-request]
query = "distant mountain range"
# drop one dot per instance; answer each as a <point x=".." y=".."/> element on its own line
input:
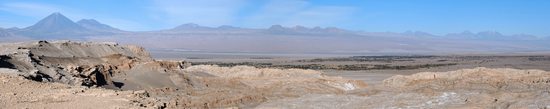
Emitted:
<point x="276" y="38"/>
<point x="57" y="26"/>
<point x="489" y="35"/>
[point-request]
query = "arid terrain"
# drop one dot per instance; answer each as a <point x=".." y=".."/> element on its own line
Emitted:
<point x="60" y="74"/>
<point x="372" y="69"/>
<point x="130" y="75"/>
<point x="274" y="54"/>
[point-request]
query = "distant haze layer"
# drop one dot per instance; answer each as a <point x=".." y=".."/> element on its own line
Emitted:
<point x="277" y="38"/>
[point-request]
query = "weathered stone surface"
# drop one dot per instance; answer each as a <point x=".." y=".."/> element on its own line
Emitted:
<point x="78" y="63"/>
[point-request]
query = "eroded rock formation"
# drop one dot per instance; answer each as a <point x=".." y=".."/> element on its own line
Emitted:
<point x="478" y="88"/>
<point x="76" y="63"/>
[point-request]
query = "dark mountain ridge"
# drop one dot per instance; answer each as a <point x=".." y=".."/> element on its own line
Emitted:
<point x="94" y="25"/>
<point x="57" y="26"/>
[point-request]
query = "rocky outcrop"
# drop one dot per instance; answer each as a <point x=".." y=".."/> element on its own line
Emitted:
<point x="18" y="92"/>
<point x="76" y="63"/>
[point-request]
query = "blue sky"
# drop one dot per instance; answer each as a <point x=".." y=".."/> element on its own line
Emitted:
<point x="434" y="16"/>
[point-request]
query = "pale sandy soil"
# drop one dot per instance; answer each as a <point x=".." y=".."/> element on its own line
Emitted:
<point x="18" y="92"/>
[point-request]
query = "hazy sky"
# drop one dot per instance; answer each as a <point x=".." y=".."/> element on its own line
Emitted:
<point x="434" y="16"/>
